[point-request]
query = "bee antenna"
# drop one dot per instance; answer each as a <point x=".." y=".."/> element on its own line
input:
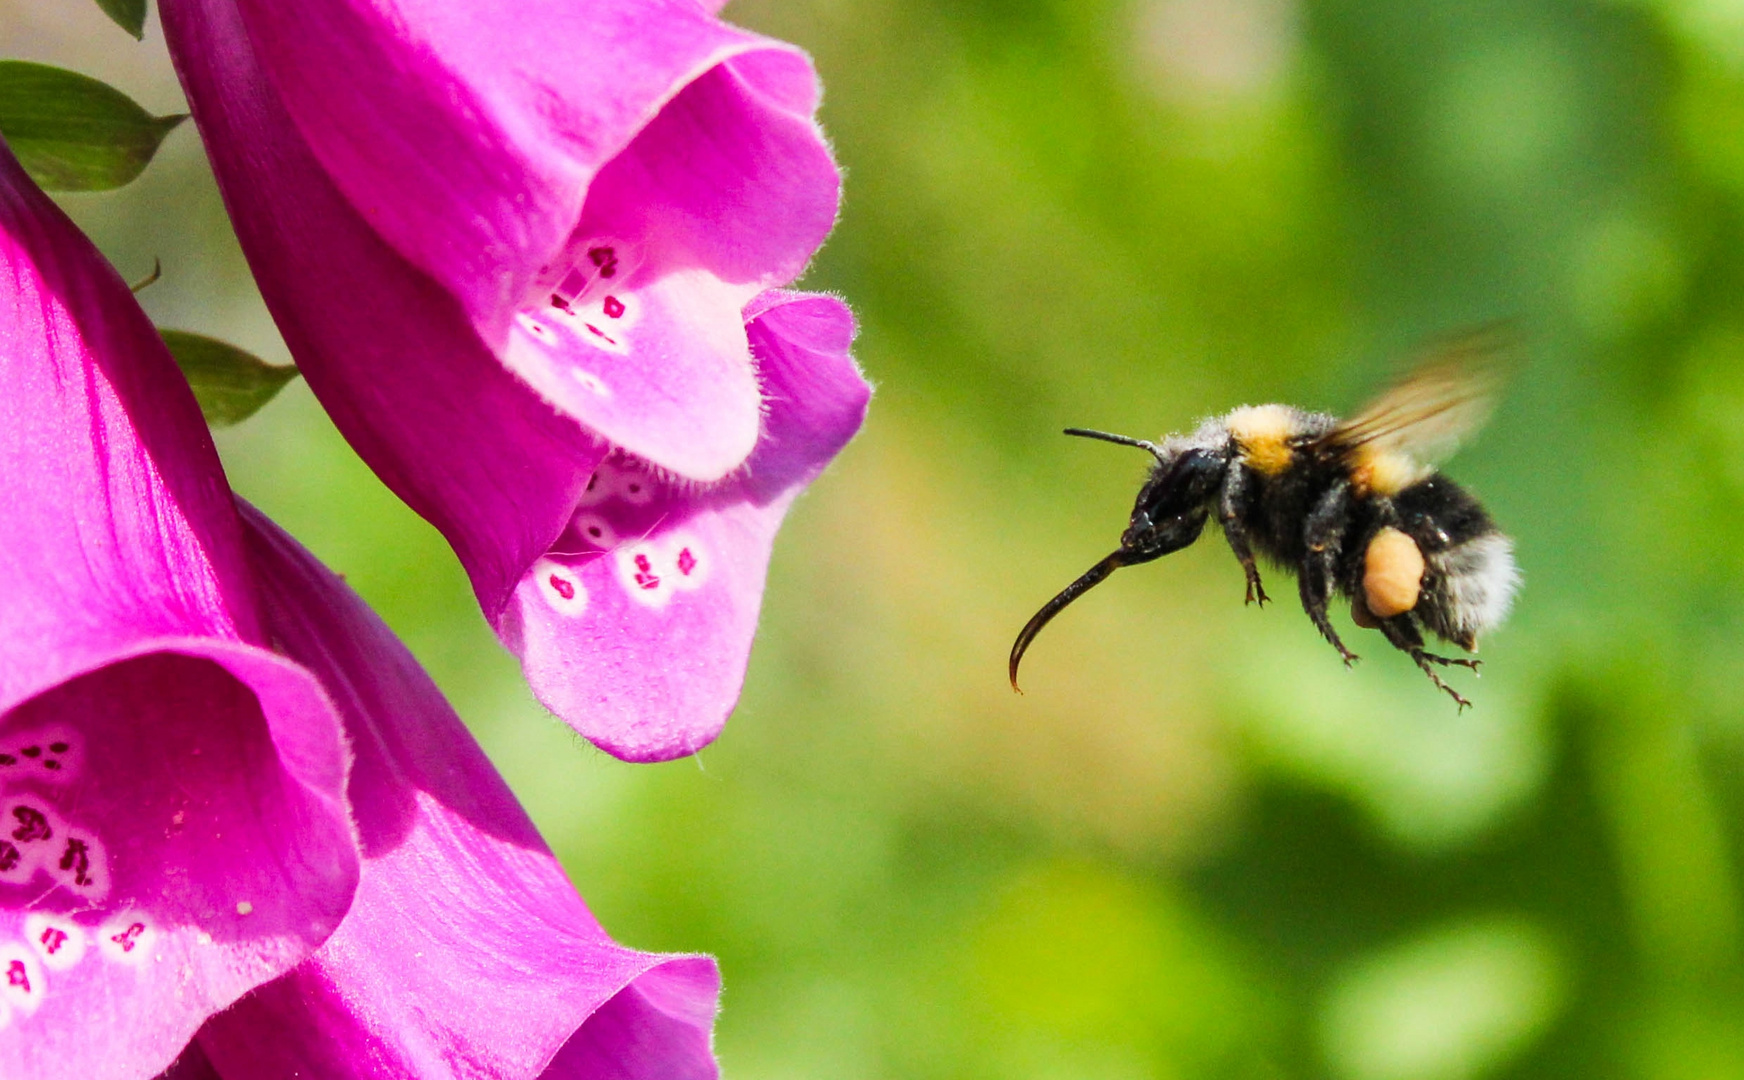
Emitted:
<point x="1124" y="440"/>
<point x="1091" y="578"/>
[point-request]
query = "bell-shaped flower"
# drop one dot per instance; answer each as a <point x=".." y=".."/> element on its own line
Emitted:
<point x="173" y="826"/>
<point x="524" y="255"/>
<point x="468" y="954"/>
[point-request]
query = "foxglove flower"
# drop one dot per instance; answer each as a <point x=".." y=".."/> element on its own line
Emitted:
<point x="467" y="953"/>
<point x="173" y="827"/>
<point x="524" y="254"/>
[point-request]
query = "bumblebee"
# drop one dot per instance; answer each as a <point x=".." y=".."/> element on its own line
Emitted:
<point x="1354" y="507"/>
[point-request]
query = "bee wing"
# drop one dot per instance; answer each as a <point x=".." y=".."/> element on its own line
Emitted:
<point x="1424" y="416"/>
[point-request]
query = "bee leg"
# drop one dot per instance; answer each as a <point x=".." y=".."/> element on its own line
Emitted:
<point x="1228" y="507"/>
<point x="1314" y="580"/>
<point x="1403" y="633"/>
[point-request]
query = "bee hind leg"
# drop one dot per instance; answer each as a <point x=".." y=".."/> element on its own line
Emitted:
<point x="1314" y="598"/>
<point x="1402" y="631"/>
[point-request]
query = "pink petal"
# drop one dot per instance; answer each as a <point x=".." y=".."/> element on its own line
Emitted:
<point x="472" y="151"/>
<point x="467" y="953"/>
<point x="637" y="627"/>
<point x="172" y="823"/>
<point x="498" y="462"/>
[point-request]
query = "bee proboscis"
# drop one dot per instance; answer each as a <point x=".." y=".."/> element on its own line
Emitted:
<point x="1354" y="507"/>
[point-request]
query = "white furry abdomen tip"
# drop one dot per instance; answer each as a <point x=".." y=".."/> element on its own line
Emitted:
<point x="1481" y="582"/>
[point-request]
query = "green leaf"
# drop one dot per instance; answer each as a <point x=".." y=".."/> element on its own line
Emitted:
<point x="128" y="14"/>
<point x="73" y="133"/>
<point x="230" y="384"/>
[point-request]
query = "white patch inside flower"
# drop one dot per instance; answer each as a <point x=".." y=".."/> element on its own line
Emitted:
<point x="635" y="488"/>
<point x="21" y="982"/>
<point x="686" y="556"/>
<point x="546" y="343"/>
<point x="617" y="481"/>
<point x="596" y="531"/>
<point x="644" y="574"/>
<point x="59" y="943"/>
<point x="590" y="381"/>
<point x="652" y="571"/>
<point x="604" y="322"/>
<point x="51" y="755"/>
<point x="81" y="865"/>
<point x="560" y="586"/>
<point x="600" y="486"/>
<point x="127" y="939"/>
<point x="30" y="835"/>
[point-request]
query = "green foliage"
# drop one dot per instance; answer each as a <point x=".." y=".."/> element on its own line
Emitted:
<point x="128" y="14"/>
<point x="230" y="384"/>
<point x="72" y="132"/>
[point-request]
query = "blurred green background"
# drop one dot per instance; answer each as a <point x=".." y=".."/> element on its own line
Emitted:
<point x="1197" y="847"/>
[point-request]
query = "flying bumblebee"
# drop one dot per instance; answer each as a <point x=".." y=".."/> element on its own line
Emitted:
<point x="1351" y="506"/>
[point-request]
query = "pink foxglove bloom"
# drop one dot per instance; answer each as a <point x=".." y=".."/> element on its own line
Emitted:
<point x="178" y="826"/>
<point x="467" y="955"/>
<point x="524" y="254"/>
<point x="173" y="826"/>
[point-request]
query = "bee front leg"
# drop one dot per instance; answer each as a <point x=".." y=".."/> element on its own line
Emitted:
<point x="1323" y="534"/>
<point x="1402" y="631"/>
<point x="1229" y="513"/>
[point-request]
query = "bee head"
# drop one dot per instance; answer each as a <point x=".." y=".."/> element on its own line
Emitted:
<point x="1169" y="513"/>
<point x="1173" y="504"/>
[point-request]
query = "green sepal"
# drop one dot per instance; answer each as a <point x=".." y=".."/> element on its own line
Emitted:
<point x="128" y="14"/>
<point x="73" y="133"/>
<point x="231" y="385"/>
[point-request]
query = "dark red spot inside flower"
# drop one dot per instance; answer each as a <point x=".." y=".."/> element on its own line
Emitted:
<point x="32" y="824"/>
<point x="51" y="764"/>
<point x="564" y="588"/>
<point x="635" y="489"/>
<point x="17" y="976"/>
<point x="601" y="334"/>
<point x="9" y="855"/>
<point x="32" y="751"/>
<point x="77" y="858"/>
<point x="614" y="307"/>
<point x="605" y="258"/>
<point x="52" y="940"/>
<point x="686" y="562"/>
<point x="129" y="937"/>
<point x="595" y="531"/>
<point x="58" y="747"/>
<point x="559" y="303"/>
<point x="8" y="759"/>
<point x="645" y="575"/>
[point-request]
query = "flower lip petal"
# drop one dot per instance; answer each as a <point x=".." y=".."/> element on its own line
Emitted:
<point x="173" y="832"/>
<point x="674" y="580"/>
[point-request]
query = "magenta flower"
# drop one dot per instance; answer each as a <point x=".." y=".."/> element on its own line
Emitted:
<point x="524" y="253"/>
<point x="173" y="828"/>
<point x="467" y="953"/>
